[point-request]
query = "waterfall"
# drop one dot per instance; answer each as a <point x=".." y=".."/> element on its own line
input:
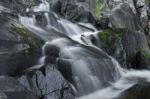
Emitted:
<point x="26" y="20"/>
<point x="87" y="68"/>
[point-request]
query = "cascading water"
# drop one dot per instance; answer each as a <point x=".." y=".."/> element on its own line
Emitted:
<point x="91" y="72"/>
<point x="89" y="65"/>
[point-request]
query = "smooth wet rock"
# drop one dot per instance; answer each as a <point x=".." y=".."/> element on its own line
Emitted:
<point x="140" y="90"/>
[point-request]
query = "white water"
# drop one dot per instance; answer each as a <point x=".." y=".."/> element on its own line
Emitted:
<point x="27" y="20"/>
<point x="129" y="79"/>
<point x="43" y="7"/>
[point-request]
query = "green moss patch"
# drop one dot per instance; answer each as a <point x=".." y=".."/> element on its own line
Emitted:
<point x="145" y="54"/>
<point x="109" y="38"/>
<point x="30" y="2"/>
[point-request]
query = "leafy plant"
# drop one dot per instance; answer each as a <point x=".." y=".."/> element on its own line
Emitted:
<point x="98" y="9"/>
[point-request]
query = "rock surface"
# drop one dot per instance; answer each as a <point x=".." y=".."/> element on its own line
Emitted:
<point x="47" y="83"/>
<point x="10" y="88"/>
<point x="17" y="47"/>
<point x="138" y="91"/>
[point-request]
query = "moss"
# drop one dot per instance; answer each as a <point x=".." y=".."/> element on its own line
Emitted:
<point x="98" y="9"/>
<point x="30" y="2"/>
<point x="25" y="37"/>
<point x="109" y="38"/>
<point x="146" y="55"/>
<point x="143" y="53"/>
<point x="106" y="34"/>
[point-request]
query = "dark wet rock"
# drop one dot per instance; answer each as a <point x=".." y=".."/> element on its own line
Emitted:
<point x="103" y="23"/>
<point x="142" y="60"/>
<point x="10" y="88"/>
<point x="48" y="83"/>
<point x="64" y="66"/>
<point x="18" y="50"/>
<point x="140" y="90"/>
<point x="134" y="42"/>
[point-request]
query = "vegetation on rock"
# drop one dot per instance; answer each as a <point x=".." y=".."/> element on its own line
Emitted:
<point x="98" y="9"/>
<point x="25" y="37"/>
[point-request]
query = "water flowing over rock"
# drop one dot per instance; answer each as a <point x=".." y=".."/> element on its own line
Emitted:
<point x="49" y="49"/>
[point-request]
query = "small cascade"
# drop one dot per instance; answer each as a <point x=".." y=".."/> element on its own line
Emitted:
<point x="129" y="79"/>
<point x="25" y="20"/>
<point x="47" y="18"/>
<point x="89" y="73"/>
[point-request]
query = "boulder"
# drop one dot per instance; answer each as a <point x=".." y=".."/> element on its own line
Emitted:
<point x="10" y="88"/>
<point x="134" y="43"/>
<point x="140" y="90"/>
<point x="48" y="83"/>
<point x="122" y="16"/>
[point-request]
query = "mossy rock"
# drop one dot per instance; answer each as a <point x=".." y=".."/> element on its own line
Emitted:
<point x="141" y="60"/>
<point x="26" y="37"/>
<point x="30" y="2"/>
<point x="31" y="53"/>
<point x="109" y="37"/>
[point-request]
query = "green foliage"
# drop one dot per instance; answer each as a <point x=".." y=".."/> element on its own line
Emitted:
<point x="98" y="9"/>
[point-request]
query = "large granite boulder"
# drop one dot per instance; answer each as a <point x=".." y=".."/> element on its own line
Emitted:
<point x="47" y="83"/>
<point x="123" y="17"/>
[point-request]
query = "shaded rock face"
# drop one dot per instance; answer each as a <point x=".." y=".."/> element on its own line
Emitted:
<point x="16" y="48"/>
<point x="75" y="10"/>
<point x="123" y="17"/>
<point x="138" y="91"/>
<point x="10" y="88"/>
<point x="47" y="83"/>
<point x="135" y="42"/>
